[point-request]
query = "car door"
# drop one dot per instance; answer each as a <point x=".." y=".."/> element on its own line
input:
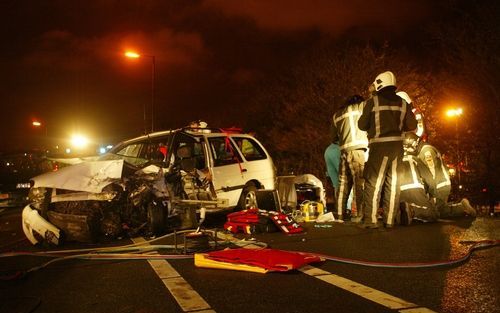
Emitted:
<point x="228" y="172"/>
<point x="257" y="164"/>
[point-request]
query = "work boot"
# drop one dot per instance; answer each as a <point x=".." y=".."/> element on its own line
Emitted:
<point x="340" y="219"/>
<point x="468" y="209"/>
<point x="356" y="219"/>
<point x="406" y="214"/>
<point x="368" y="225"/>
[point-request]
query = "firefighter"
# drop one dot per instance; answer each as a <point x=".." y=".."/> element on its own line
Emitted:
<point x="416" y="185"/>
<point x="434" y="162"/>
<point x="385" y="117"/>
<point x="418" y="189"/>
<point x="353" y="144"/>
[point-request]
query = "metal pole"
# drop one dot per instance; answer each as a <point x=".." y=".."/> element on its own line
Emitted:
<point x="47" y="140"/>
<point x="458" y="152"/>
<point x="153" y="74"/>
<point x="145" y="123"/>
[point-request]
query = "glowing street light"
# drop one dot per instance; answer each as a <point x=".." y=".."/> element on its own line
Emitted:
<point x="455" y="113"/>
<point x="37" y="124"/>
<point x="135" y="55"/>
<point x="79" y="141"/>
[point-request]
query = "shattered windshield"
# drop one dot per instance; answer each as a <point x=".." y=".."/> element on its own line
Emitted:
<point x="141" y="153"/>
<point x="135" y="161"/>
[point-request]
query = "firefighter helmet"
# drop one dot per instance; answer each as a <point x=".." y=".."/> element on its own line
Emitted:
<point x="384" y="79"/>
<point x="410" y="143"/>
<point x="403" y="95"/>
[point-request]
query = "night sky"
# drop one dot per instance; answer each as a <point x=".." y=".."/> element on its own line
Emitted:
<point x="62" y="61"/>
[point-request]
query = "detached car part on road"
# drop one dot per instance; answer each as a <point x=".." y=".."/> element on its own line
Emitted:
<point x="148" y="184"/>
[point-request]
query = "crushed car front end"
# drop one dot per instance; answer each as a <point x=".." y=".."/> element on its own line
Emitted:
<point x="88" y="200"/>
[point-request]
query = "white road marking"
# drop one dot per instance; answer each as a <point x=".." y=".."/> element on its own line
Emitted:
<point x="417" y="310"/>
<point x="366" y="292"/>
<point x="361" y="290"/>
<point x="187" y="298"/>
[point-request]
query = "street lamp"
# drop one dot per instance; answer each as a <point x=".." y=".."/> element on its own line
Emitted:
<point x="455" y="113"/>
<point x="45" y="139"/>
<point x="135" y="55"/>
<point x="38" y="124"/>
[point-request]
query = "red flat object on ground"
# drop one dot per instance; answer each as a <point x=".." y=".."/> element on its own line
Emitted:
<point x="269" y="259"/>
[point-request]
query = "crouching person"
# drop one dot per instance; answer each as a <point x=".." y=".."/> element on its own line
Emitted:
<point x="418" y="189"/>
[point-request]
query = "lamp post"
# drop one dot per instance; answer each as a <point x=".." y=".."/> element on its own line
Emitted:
<point x="455" y="114"/>
<point x="135" y="55"/>
<point x="38" y="124"/>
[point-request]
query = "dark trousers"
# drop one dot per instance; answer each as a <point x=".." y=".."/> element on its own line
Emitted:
<point x="442" y="195"/>
<point x="422" y="207"/>
<point x="381" y="175"/>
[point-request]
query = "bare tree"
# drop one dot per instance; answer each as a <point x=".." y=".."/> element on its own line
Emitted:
<point x="294" y="112"/>
<point x="468" y="48"/>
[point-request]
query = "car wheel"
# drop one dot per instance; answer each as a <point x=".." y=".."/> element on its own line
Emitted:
<point x="156" y="217"/>
<point x="248" y="198"/>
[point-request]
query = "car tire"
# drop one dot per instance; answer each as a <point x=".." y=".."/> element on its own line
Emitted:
<point x="156" y="218"/>
<point x="248" y="197"/>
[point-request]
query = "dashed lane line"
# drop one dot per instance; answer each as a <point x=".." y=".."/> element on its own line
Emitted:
<point x="366" y="292"/>
<point x="417" y="310"/>
<point x="188" y="299"/>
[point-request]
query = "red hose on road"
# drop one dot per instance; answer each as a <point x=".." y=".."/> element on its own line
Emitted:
<point x="476" y="245"/>
<point x="483" y="244"/>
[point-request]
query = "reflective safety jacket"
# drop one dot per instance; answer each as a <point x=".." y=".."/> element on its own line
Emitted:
<point x="432" y="158"/>
<point x="414" y="174"/>
<point x="345" y="128"/>
<point x="386" y="116"/>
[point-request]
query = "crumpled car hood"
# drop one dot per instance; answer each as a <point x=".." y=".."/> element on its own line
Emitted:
<point x="90" y="176"/>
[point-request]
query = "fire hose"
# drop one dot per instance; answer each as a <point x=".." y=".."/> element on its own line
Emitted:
<point x="111" y="253"/>
<point x="124" y="253"/>
<point x="476" y="245"/>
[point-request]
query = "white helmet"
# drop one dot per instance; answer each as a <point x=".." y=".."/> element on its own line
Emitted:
<point x="403" y="95"/>
<point x="383" y="80"/>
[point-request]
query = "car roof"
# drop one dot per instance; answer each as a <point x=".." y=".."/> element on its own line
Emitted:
<point x="196" y="132"/>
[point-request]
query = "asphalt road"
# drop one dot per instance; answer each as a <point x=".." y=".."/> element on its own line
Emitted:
<point x="179" y="286"/>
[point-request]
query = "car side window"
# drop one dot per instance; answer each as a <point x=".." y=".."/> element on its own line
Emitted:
<point x="191" y="148"/>
<point x="155" y="150"/>
<point x="223" y="151"/>
<point x="250" y="149"/>
<point x="199" y="155"/>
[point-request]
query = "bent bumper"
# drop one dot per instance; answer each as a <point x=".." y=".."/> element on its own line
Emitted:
<point x="35" y="226"/>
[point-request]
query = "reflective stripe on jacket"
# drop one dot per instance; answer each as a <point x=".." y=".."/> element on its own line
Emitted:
<point x="386" y="116"/>
<point x="345" y="128"/>
<point x="414" y="174"/>
<point x="433" y="160"/>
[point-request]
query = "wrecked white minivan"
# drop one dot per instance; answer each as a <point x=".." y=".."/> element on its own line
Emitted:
<point x="148" y="184"/>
